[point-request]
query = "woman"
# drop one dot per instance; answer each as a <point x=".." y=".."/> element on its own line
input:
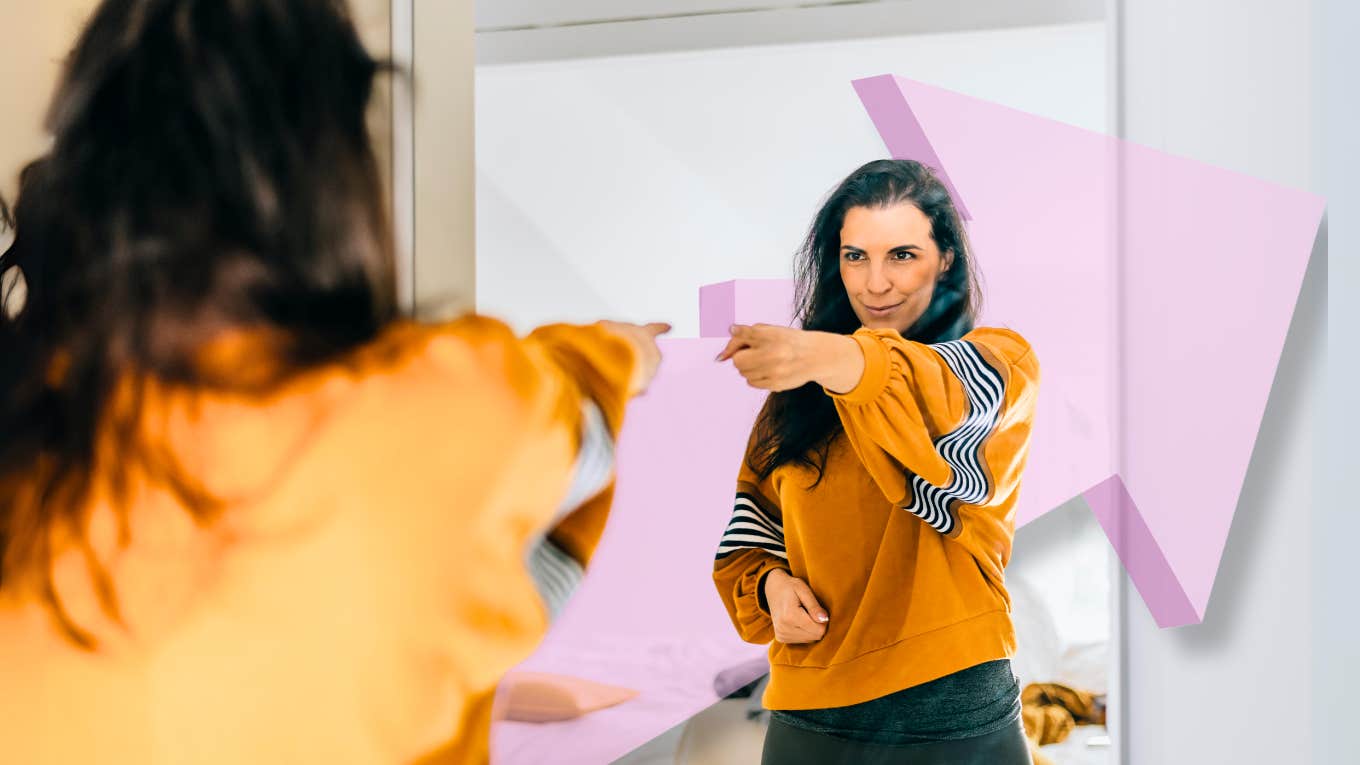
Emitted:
<point x="874" y="509"/>
<point x="247" y="512"/>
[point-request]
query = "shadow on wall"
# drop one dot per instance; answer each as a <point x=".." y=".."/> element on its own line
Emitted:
<point x="1260" y="510"/>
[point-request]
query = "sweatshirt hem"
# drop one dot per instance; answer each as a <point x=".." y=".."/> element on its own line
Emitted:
<point x="904" y="664"/>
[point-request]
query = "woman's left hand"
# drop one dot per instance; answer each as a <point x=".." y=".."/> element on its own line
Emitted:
<point x="771" y="357"/>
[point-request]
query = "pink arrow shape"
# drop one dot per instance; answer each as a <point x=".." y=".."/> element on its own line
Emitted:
<point x="1198" y="280"/>
<point x="1196" y="370"/>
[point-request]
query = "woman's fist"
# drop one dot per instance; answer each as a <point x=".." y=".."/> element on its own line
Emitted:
<point x="797" y="616"/>
<point x="770" y="357"/>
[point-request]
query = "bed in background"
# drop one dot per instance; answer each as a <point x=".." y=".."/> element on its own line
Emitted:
<point x="674" y="676"/>
<point x="647" y="616"/>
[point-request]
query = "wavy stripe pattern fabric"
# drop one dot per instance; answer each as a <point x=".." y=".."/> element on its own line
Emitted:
<point x="962" y="447"/>
<point x="752" y="527"/>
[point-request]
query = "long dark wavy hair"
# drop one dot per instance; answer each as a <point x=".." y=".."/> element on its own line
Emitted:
<point x="210" y="169"/>
<point x="799" y="425"/>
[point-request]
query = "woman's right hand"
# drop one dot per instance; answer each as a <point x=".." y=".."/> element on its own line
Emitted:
<point x="797" y="616"/>
<point x="643" y="337"/>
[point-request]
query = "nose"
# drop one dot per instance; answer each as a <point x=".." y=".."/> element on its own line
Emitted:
<point x="878" y="280"/>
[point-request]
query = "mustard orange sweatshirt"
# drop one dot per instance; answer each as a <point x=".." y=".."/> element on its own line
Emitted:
<point x="392" y="522"/>
<point x="906" y="538"/>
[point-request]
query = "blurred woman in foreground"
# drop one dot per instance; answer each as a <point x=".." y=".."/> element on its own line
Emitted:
<point x="247" y="512"/>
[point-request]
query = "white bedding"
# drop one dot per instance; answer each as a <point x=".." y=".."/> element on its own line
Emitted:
<point x="674" y="674"/>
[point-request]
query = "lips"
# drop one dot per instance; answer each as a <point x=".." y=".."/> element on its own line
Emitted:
<point x="883" y="309"/>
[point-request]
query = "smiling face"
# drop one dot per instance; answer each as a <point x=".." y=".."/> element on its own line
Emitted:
<point x="890" y="264"/>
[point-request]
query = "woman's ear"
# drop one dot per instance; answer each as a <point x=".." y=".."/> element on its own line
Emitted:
<point x="948" y="263"/>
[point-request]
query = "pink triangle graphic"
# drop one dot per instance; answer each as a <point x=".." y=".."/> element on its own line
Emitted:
<point x="1199" y="294"/>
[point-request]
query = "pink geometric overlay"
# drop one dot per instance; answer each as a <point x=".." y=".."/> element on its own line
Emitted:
<point x="1158" y="332"/>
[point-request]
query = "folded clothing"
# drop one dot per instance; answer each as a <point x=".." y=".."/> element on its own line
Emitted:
<point x="1052" y="710"/>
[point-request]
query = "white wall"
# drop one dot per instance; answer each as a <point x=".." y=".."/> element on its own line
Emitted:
<point x="539" y="30"/>
<point x="1236" y="83"/>
<point x="502" y="14"/>
<point x="618" y="186"/>
<point x="1335" y="522"/>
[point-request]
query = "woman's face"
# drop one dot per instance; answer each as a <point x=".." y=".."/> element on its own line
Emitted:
<point x="889" y="264"/>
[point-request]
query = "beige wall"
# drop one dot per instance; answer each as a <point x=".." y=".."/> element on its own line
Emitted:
<point x="374" y="20"/>
<point x="445" y="240"/>
<point x="37" y="35"/>
<point x="33" y="44"/>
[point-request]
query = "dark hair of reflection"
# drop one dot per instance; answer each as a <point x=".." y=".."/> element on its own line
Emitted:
<point x="799" y="425"/>
<point x="210" y="168"/>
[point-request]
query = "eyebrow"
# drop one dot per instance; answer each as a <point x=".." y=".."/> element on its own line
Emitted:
<point x="898" y="247"/>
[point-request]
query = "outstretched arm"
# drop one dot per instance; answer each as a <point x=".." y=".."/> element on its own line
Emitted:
<point x="780" y="358"/>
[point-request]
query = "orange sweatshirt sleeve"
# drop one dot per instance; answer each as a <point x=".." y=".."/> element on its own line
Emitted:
<point x="604" y="370"/>
<point x="601" y="367"/>
<point x="494" y="443"/>
<point x="752" y="546"/>
<point x="578" y="378"/>
<point x="944" y="429"/>
<point x="555" y="401"/>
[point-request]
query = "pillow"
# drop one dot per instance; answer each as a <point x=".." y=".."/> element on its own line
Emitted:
<point x="546" y="697"/>
<point x="1039" y="647"/>
<point x="739" y="680"/>
<point x="1086" y="666"/>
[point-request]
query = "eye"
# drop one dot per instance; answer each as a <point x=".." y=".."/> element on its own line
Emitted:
<point x="903" y="255"/>
<point x="854" y="256"/>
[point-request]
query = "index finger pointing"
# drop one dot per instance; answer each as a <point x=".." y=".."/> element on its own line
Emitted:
<point x="733" y="345"/>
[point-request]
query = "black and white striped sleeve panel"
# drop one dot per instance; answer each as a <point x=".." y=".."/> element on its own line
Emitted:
<point x="962" y="447"/>
<point x="555" y="573"/>
<point x="594" y="462"/>
<point x="754" y="524"/>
